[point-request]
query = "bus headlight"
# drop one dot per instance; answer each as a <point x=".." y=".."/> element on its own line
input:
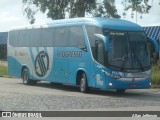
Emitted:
<point x="110" y="84"/>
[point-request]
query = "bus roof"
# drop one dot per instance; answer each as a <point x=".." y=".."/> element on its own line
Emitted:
<point x="108" y="23"/>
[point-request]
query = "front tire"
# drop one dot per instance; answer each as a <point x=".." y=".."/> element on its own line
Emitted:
<point x="121" y="90"/>
<point x="25" y="78"/>
<point x="83" y="83"/>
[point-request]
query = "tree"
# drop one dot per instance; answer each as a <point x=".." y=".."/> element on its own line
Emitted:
<point x="138" y="6"/>
<point x="59" y="9"/>
<point x="81" y="7"/>
<point x="55" y="8"/>
<point x="106" y="9"/>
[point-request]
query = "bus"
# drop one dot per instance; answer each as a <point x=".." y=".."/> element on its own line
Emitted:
<point x="103" y="53"/>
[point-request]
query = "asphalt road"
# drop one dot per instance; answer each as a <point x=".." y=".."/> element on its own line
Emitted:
<point x="14" y="96"/>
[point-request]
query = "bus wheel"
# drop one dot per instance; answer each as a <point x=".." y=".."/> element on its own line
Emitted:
<point x="120" y="90"/>
<point x="83" y="83"/>
<point x="26" y="79"/>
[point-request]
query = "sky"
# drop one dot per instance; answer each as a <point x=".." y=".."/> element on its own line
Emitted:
<point x="11" y="15"/>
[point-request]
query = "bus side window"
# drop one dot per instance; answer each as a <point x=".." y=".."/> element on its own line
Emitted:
<point x="76" y="38"/>
<point x="35" y="38"/>
<point x="48" y="37"/>
<point x="14" y="38"/>
<point x="24" y="38"/>
<point x="61" y="37"/>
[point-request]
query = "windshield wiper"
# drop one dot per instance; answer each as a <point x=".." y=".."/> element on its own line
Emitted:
<point x="123" y="65"/>
<point x="125" y="60"/>
<point x="141" y="66"/>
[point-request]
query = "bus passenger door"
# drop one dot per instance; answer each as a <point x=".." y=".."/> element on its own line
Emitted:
<point x="99" y="64"/>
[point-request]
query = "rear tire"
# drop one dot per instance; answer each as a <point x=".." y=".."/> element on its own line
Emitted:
<point x="83" y="83"/>
<point x="54" y="84"/>
<point x="25" y="78"/>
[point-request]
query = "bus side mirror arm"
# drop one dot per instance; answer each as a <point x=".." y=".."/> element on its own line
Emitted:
<point x="154" y="43"/>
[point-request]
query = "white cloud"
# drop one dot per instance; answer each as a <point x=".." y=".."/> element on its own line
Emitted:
<point x="12" y="15"/>
<point x="7" y="17"/>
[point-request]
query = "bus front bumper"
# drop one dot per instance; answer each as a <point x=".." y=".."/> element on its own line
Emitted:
<point x="128" y="84"/>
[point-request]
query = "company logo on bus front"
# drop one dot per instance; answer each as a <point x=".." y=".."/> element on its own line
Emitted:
<point x="42" y="64"/>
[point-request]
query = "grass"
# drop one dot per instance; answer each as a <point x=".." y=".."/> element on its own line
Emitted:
<point x="155" y="76"/>
<point x="3" y="70"/>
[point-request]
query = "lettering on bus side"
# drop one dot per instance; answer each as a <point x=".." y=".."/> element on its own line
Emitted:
<point x="69" y="54"/>
<point x="21" y="53"/>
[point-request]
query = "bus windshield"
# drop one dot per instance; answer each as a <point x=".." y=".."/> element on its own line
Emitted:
<point x="128" y="51"/>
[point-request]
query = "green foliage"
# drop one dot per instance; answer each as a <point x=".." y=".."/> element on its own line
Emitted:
<point x="3" y="69"/>
<point x="80" y="7"/>
<point x="55" y="9"/>
<point x="110" y="8"/>
<point x="140" y="6"/>
<point x="155" y="75"/>
<point x="106" y="9"/>
<point x="60" y="9"/>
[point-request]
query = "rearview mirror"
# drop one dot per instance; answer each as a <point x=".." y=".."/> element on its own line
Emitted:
<point x="105" y="40"/>
<point x="154" y="43"/>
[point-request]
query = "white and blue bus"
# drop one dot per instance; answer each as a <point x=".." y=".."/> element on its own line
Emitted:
<point x="86" y="52"/>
